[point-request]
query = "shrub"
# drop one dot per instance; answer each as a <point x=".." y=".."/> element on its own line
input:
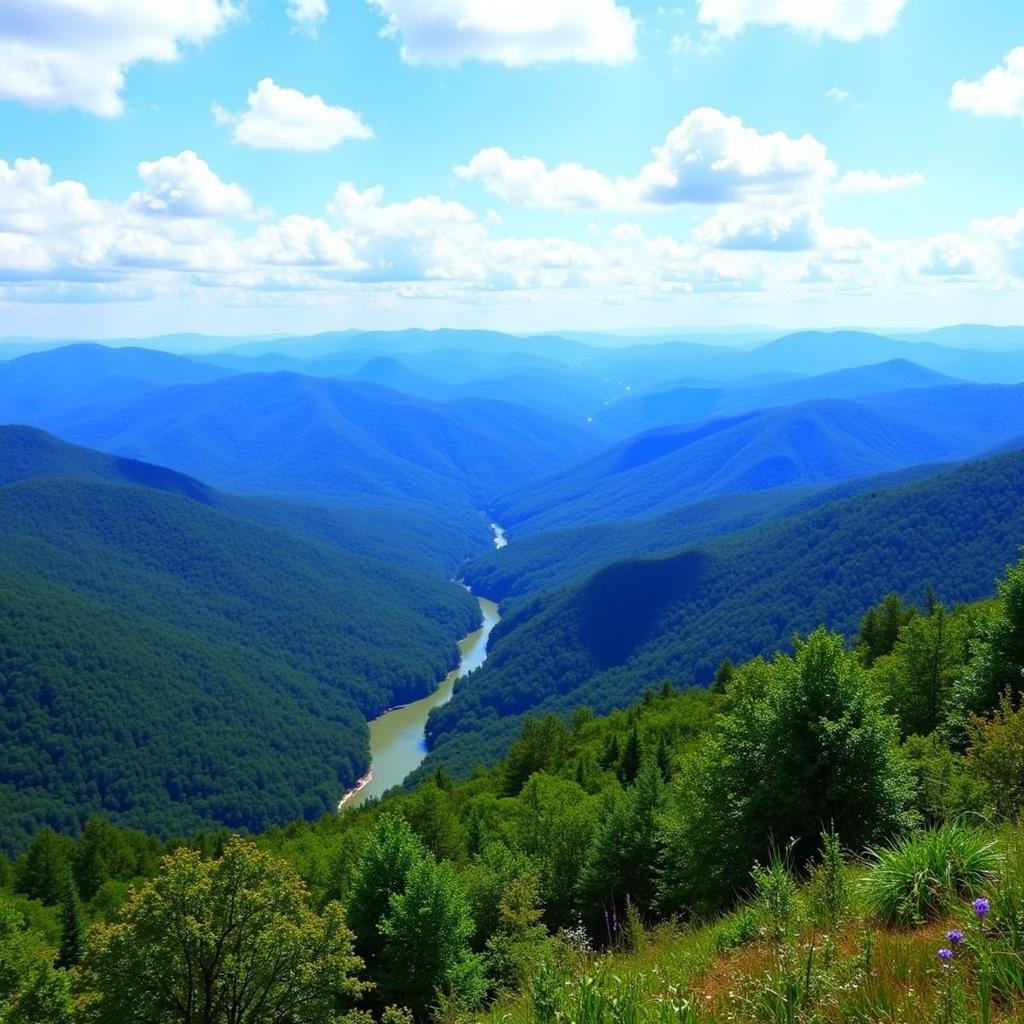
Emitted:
<point x="922" y="875"/>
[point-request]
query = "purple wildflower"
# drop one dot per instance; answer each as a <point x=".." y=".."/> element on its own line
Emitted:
<point x="981" y="907"/>
<point x="955" y="937"/>
<point x="945" y="955"/>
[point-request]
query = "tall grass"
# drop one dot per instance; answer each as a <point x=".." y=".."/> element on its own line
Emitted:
<point x="924" y="875"/>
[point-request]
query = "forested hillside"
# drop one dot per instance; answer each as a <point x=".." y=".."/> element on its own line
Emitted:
<point x="353" y="443"/>
<point x="171" y="663"/>
<point x="809" y="443"/>
<point x="592" y="874"/>
<point x="636" y="623"/>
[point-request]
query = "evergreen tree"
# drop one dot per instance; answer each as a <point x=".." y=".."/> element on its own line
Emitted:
<point x="663" y="758"/>
<point x="40" y="871"/>
<point x="806" y="743"/>
<point x="880" y="627"/>
<point x="629" y="764"/>
<point x="625" y="856"/>
<point x="72" y="927"/>
<point x="382" y="872"/>
<point x="426" y="934"/>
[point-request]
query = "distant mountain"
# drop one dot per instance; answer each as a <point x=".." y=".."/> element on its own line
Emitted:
<point x="970" y="336"/>
<point x="40" y="385"/>
<point x="320" y="346"/>
<point x="636" y="623"/>
<point x="806" y="353"/>
<point x="350" y="442"/>
<point x="173" y="664"/>
<point x="688" y="404"/>
<point x="812" y="443"/>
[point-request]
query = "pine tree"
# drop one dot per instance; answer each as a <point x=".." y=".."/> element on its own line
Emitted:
<point x="72" y="936"/>
<point x="629" y="765"/>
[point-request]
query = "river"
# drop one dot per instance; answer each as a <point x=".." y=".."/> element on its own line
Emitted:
<point x="398" y="737"/>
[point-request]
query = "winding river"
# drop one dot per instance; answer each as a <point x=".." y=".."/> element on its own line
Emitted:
<point x="398" y="737"/>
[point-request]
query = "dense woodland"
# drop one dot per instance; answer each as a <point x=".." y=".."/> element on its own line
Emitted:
<point x="626" y="835"/>
<point x="172" y="664"/>
<point x="635" y="623"/>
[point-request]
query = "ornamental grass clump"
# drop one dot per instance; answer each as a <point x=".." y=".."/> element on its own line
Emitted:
<point x="923" y="875"/>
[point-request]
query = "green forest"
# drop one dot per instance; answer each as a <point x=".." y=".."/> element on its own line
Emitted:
<point x="171" y="664"/>
<point x="822" y="835"/>
<point x="602" y="641"/>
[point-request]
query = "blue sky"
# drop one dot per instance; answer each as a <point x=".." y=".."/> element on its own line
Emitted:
<point x="243" y="167"/>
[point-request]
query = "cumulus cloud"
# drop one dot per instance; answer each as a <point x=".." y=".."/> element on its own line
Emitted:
<point x="875" y="182"/>
<point x="516" y="33"/>
<point x="848" y="20"/>
<point x="707" y="158"/>
<point x="65" y="53"/>
<point x="999" y="92"/>
<point x="32" y="204"/>
<point x="282" y="118"/>
<point x="765" y="230"/>
<point x="837" y="94"/>
<point x="947" y="256"/>
<point x="186" y="186"/>
<point x="307" y="15"/>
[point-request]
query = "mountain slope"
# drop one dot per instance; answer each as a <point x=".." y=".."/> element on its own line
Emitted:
<point x="636" y="623"/>
<point x="812" y="443"/>
<point x="357" y="443"/>
<point x="43" y="384"/>
<point x="688" y="404"/>
<point x="173" y="664"/>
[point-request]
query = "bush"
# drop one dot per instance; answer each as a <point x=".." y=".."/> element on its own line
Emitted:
<point x="922" y="875"/>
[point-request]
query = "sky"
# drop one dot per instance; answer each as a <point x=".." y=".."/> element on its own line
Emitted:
<point x="257" y="166"/>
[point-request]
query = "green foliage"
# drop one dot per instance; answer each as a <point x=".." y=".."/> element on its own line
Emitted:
<point x="388" y="858"/>
<point x="517" y="942"/>
<point x="916" y="675"/>
<point x="923" y="874"/>
<point x="880" y="627"/>
<point x="624" y="859"/>
<point x="228" y="941"/>
<point x="427" y="931"/>
<point x="72" y="925"/>
<point x="996" y="755"/>
<point x="32" y="990"/>
<point x="736" y="596"/>
<point x="41" y="871"/>
<point x="829" y="892"/>
<point x="805" y="742"/>
<point x="997" y="665"/>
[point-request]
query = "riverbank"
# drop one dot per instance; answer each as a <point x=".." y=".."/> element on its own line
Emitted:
<point x="398" y="741"/>
<point x="361" y="784"/>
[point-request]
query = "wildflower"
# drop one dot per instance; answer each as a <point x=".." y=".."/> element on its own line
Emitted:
<point x="981" y="907"/>
<point x="945" y="955"/>
<point x="955" y="937"/>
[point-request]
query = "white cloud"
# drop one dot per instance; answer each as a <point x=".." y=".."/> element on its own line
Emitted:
<point x="837" y="94"/>
<point x="302" y="241"/>
<point x="70" y="53"/>
<point x="999" y="92"/>
<point x="185" y="186"/>
<point x="707" y="158"/>
<point x="848" y="20"/>
<point x="516" y="33"/>
<point x="874" y="182"/>
<point x="766" y="230"/>
<point x="307" y="15"/>
<point x="947" y="256"/>
<point x="31" y="204"/>
<point x="282" y="118"/>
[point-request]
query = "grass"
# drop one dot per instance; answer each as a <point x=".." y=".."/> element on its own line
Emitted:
<point x="925" y="874"/>
<point x="845" y="966"/>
